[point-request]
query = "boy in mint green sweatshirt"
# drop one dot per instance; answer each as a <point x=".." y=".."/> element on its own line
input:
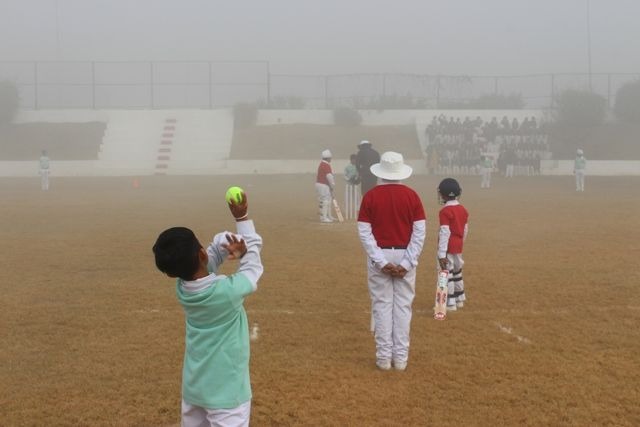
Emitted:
<point x="216" y="387"/>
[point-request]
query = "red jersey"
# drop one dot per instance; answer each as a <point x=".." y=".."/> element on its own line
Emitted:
<point x="455" y="216"/>
<point x="323" y="169"/>
<point x="391" y="209"/>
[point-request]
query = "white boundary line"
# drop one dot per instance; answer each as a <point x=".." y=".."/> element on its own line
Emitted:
<point x="509" y="331"/>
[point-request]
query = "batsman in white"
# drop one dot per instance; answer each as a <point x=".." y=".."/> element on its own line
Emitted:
<point x="392" y="229"/>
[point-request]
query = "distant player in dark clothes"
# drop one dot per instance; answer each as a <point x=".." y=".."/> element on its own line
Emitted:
<point x="366" y="157"/>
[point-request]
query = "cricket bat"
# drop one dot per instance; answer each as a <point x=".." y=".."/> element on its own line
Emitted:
<point x="440" y="309"/>
<point x="336" y="207"/>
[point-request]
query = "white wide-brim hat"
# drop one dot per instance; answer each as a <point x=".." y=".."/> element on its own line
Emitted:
<point x="391" y="167"/>
<point x="326" y="154"/>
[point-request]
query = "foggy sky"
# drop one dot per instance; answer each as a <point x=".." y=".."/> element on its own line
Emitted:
<point x="476" y="37"/>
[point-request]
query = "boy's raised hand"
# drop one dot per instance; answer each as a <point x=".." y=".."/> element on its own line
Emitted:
<point x="236" y="247"/>
<point x="239" y="210"/>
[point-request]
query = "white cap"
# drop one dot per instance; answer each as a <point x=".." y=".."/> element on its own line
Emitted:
<point x="391" y="167"/>
<point x="326" y="154"/>
<point x="363" y="142"/>
<point x="579" y="152"/>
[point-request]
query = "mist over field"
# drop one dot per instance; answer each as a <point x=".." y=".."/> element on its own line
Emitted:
<point x="333" y="36"/>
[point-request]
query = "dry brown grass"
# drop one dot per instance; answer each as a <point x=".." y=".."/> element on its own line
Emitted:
<point x="306" y="141"/>
<point x="91" y="333"/>
<point x="64" y="141"/>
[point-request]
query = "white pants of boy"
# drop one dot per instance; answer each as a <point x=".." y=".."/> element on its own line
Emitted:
<point x="579" y="179"/>
<point x="391" y="300"/>
<point x="197" y="416"/>
<point x="486" y="178"/>
<point x="323" y="191"/>
<point x="509" y="171"/>
<point x="44" y="179"/>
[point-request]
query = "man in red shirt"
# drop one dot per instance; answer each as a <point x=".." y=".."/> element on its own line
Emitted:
<point x="325" y="183"/>
<point x="453" y="232"/>
<point x="391" y="226"/>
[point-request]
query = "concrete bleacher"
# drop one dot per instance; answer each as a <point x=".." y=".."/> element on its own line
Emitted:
<point x="202" y="142"/>
<point x="169" y="142"/>
<point x="130" y="141"/>
<point x="137" y="143"/>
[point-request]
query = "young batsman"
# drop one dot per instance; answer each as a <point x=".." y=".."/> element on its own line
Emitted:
<point x="453" y="231"/>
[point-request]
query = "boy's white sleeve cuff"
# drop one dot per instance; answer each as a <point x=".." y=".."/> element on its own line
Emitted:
<point x="246" y="227"/>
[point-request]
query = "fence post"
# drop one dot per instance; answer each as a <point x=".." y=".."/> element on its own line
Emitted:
<point x="268" y="84"/>
<point x="437" y="91"/>
<point x="553" y="90"/>
<point x="384" y="86"/>
<point x="210" y="86"/>
<point x="326" y="92"/>
<point x="609" y="91"/>
<point x="93" y="84"/>
<point x="151" y="101"/>
<point x="36" y="102"/>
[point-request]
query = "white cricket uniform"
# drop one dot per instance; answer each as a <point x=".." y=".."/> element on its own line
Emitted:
<point x="579" y="167"/>
<point x="43" y="171"/>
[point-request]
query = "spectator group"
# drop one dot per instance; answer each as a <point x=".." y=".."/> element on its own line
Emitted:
<point x="456" y="146"/>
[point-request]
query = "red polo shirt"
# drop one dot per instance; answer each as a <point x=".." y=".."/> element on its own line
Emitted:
<point x="391" y="209"/>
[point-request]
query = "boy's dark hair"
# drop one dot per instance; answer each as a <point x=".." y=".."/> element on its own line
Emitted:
<point x="353" y="157"/>
<point x="176" y="251"/>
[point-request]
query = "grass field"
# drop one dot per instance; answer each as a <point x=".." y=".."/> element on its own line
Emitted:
<point x="92" y="335"/>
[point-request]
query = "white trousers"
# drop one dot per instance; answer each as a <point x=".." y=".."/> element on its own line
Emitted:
<point x="323" y="193"/>
<point x="509" y="171"/>
<point x="579" y="179"/>
<point x="197" y="416"/>
<point x="486" y="178"/>
<point x="44" y="179"/>
<point x="391" y="300"/>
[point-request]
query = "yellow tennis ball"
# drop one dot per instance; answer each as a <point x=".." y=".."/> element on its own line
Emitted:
<point x="234" y="194"/>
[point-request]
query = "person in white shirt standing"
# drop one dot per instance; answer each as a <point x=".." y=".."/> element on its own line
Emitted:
<point x="325" y="184"/>
<point x="579" y="167"/>
<point x="43" y="170"/>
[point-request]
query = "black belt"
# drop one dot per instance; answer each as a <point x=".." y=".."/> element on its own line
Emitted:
<point x="393" y="247"/>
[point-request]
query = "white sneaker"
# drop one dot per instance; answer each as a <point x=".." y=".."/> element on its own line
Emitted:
<point x="384" y="365"/>
<point x="451" y="308"/>
<point x="460" y="300"/>
<point x="326" y="220"/>
<point x="400" y="366"/>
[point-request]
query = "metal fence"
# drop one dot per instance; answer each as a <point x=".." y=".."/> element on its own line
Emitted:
<point x="210" y="84"/>
<point x="154" y="85"/>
